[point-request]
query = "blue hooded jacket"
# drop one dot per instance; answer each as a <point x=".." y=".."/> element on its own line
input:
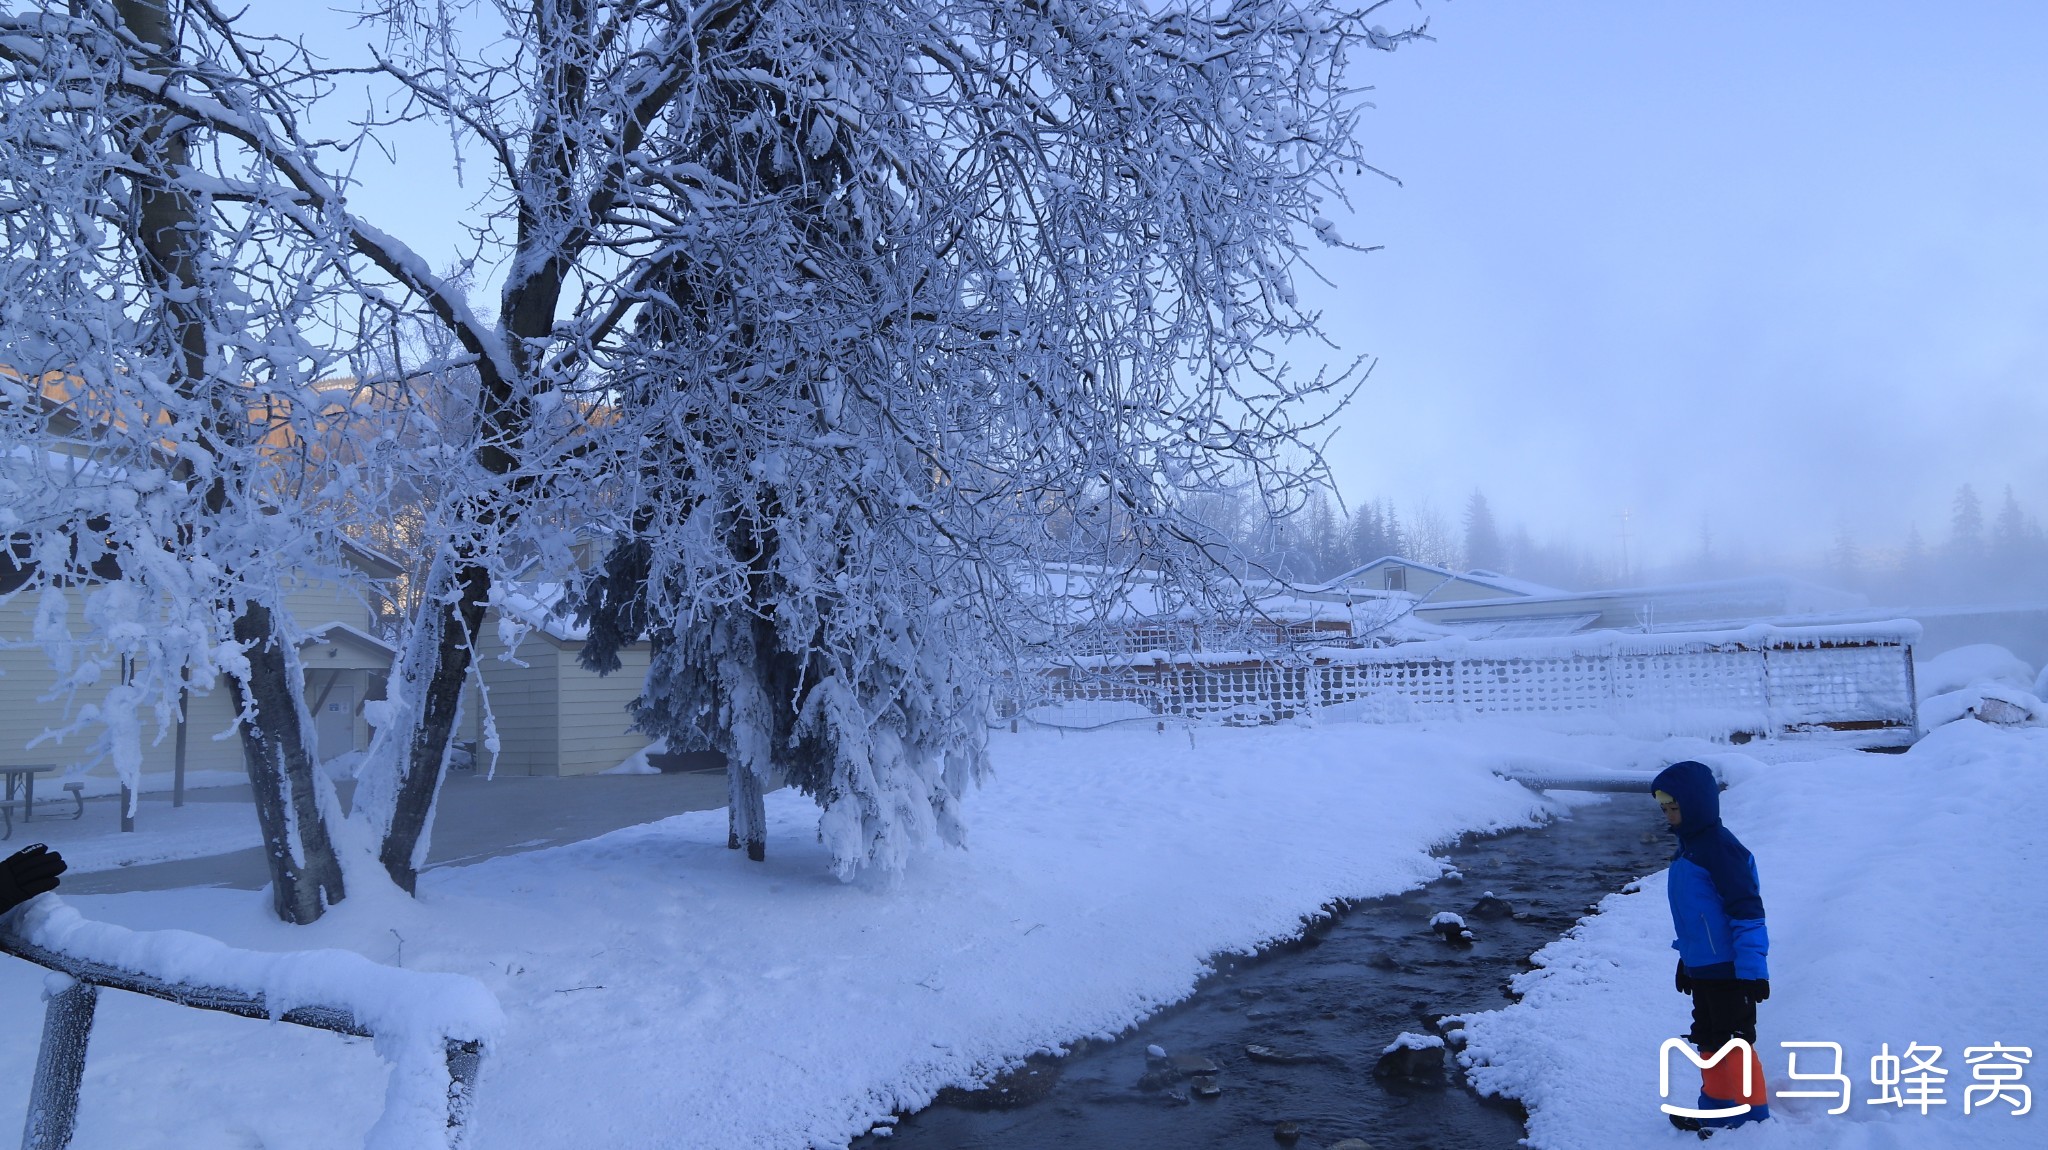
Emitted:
<point x="1716" y="907"/>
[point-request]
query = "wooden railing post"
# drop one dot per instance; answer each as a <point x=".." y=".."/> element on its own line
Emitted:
<point x="60" y="1065"/>
<point x="464" y="1060"/>
<point x="73" y="989"/>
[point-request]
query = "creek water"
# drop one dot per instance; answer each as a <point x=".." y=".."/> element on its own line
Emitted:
<point x="1322" y="1007"/>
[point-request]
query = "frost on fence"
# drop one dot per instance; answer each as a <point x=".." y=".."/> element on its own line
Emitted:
<point x="1854" y="681"/>
<point x="431" y="1028"/>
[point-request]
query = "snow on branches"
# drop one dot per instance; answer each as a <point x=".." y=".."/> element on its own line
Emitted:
<point x="836" y="321"/>
<point x="957" y="290"/>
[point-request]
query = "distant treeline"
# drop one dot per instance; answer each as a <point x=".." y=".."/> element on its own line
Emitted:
<point x="1995" y="556"/>
<point x="1316" y="540"/>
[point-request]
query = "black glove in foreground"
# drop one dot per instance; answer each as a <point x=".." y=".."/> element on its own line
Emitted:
<point x="1755" y="989"/>
<point x="27" y="873"/>
<point x="1681" y="979"/>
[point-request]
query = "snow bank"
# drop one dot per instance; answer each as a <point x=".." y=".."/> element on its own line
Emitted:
<point x="1904" y="907"/>
<point x="636" y="763"/>
<point x="1963" y="667"/>
<point x="1975" y="681"/>
<point x="660" y="990"/>
<point x="1982" y="700"/>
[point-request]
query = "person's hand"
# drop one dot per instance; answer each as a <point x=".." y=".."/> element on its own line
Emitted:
<point x="1754" y="989"/>
<point x="26" y="873"/>
<point x="1681" y="979"/>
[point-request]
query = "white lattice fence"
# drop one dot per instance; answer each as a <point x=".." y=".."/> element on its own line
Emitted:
<point x="1761" y="681"/>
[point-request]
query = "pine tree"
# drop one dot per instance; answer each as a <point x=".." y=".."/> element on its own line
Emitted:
<point x="1396" y="535"/>
<point x="1913" y="566"/>
<point x="1845" y="559"/>
<point x="1966" y="526"/>
<point x="1483" y="549"/>
<point x="2009" y="535"/>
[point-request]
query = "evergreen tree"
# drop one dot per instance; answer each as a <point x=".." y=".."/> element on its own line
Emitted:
<point x="1483" y="550"/>
<point x="1396" y="535"/>
<point x="1845" y="559"/>
<point x="1323" y="541"/>
<point x="1370" y="538"/>
<point x="1966" y="526"/>
<point x="1913" y="566"/>
<point x="2009" y="534"/>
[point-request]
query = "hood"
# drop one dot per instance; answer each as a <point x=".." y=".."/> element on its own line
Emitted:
<point x="1698" y="794"/>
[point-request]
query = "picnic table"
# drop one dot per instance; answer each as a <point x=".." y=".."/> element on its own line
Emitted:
<point x="23" y="779"/>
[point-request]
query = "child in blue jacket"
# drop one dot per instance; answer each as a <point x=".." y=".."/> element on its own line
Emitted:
<point x="1718" y="914"/>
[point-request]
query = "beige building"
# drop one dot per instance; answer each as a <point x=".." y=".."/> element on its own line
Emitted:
<point x="345" y="664"/>
<point x="552" y="716"/>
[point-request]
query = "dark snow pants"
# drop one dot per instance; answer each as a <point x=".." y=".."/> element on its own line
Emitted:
<point x="1720" y="1012"/>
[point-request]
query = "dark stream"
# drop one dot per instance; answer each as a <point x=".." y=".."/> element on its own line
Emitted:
<point x="1326" y="1005"/>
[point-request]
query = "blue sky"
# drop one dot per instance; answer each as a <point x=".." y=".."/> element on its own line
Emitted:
<point x="1774" y="267"/>
<point x="1771" y="268"/>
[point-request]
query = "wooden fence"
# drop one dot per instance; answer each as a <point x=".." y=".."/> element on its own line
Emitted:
<point x="1759" y="682"/>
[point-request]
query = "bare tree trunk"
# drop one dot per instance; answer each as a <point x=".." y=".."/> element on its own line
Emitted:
<point x="305" y="873"/>
<point x="427" y="755"/>
<point x="746" y="815"/>
<point x="304" y="870"/>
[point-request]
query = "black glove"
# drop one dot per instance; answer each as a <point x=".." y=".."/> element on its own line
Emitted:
<point x="1681" y="979"/>
<point x="27" y="873"/>
<point x="1754" y="989"/>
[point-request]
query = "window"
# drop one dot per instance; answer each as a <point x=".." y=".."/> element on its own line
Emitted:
<point x="1396" y="578"/>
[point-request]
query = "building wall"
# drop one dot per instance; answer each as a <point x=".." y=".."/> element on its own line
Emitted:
<point x="524" y="703"/>
<point x="595" y="734"/>
<point x="314" y="604"/>
<point x="26" y="677"/>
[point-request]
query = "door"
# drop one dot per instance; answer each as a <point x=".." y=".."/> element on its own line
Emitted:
<point x="335" y="723"/>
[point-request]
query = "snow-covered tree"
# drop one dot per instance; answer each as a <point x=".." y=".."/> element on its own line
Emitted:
<point x="189" y="231"/>
<point x="843" y="317"/>
<point x="976" y="268"/>
<point x="159" y="406"/>
<point x="1483" y="547"/>
<point x="1966" y="526"/>
<point x="1430" y="537"/>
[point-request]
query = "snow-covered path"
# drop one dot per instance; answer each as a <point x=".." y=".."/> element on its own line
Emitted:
<point x="662" y="991"/>
<point x="1906" y="906"/>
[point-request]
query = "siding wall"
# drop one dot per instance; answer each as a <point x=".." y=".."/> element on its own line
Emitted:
<point x="524" y="703"/>
<point x="26" y="675"/>
<point x="314" y="604"/>
<point x="595" y="734"/>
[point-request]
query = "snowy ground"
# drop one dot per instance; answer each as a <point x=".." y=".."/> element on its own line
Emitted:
<point x="661" y="991"/>
<point x="94" y="842"/>
<point x="1905" y="904"/>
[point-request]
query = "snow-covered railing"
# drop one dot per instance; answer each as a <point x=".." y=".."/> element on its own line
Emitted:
<point x="1855" y="682"/>
<point x="432" y="1028"/>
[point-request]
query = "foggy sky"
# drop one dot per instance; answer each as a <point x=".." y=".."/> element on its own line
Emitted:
<point x="1764" y="268"/>
<point x="1778" y="268"/>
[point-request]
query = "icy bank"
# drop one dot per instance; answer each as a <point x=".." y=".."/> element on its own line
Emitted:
<point x="1905" y="907"/>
